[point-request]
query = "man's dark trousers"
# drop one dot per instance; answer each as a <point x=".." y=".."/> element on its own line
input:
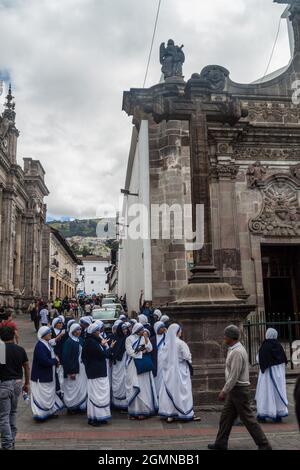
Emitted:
<point x="238" y="404"/>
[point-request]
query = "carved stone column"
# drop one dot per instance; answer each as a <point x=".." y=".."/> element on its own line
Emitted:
<point x="204" y="270"/>
<point x="18" y="248"/>
<point x="8" y="240"/>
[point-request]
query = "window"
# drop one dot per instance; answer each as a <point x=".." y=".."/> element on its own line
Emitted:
<point x="94" y="269"/>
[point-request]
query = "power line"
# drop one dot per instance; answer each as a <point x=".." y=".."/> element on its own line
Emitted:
<point x="152" y="42"/>
<point x="273" y="49"/>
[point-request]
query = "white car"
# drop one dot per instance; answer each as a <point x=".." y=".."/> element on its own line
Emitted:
<point x="114" y="305"/>
<point x="108" y="315"/>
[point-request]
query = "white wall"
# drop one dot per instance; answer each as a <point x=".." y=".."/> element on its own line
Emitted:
<point x="98" y="277"/>
<point x="135" y="255"/>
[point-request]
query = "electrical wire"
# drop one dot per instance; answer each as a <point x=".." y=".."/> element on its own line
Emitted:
<point x="273" y="49"/>
<point x="152" y="42"/>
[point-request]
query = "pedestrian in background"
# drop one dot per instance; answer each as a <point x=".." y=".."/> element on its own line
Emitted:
<point x="34" y="315"/>
<point x="44" y="316"/>
<point x="236" y="394"/>
<point x="9" y="322"/>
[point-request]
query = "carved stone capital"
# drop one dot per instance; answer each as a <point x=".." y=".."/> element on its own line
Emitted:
<point x="222" y="171"/>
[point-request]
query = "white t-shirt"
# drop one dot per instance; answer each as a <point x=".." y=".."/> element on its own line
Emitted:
<point x="44" y="316"/>
<point x="88" y="308"/>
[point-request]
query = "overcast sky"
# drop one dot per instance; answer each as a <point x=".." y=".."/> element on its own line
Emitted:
<point x="71" y="60"/>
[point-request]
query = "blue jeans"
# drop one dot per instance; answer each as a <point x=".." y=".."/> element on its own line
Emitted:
<point x="9" y="395"/>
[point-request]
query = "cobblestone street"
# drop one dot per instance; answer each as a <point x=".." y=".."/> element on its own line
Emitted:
<point x="73" y="432"/>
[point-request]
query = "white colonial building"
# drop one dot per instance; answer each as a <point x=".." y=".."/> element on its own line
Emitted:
<point x="92" y="275"/>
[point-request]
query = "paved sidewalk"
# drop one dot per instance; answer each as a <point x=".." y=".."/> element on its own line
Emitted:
<point x="73" y="432"/>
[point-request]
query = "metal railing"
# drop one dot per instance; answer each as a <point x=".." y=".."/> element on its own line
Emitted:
<point x="255" y="333"/>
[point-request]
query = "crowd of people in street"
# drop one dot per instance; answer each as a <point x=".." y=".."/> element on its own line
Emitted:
<point x="142" y="367"/>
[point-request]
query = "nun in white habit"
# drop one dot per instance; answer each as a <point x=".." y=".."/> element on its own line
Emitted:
<point x="75" y="379"/>
<point x="94" y="355"/>
<point x="176" y="398"/>
<point x="119" y="368"/>
<point x="271" y="394"/>
<point x="44" y="399"/>
<point x="140" y="387"/>
<point x="104" y="336"/>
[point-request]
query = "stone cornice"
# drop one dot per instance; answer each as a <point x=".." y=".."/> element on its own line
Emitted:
<point x="173" y="101"/>
<point x="38" y="182"/>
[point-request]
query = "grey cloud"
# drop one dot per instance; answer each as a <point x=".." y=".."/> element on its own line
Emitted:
<point x="70" y="61"/>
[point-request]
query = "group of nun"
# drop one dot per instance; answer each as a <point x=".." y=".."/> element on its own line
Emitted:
<point x="140" y="369"/>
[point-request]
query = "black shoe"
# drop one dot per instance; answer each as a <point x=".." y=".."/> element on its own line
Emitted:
<point x="262" y="420"/>
<point x="215" y="447"/>
<point x="265" y="447"/>
<point x="95" y="424"/>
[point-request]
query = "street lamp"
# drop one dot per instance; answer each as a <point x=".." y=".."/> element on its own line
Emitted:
<point x="126" y="192"/>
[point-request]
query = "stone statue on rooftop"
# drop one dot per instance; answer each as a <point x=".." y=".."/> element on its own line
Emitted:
<point x="172" y="59"/>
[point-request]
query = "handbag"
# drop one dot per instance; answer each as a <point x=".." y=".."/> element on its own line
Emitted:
<point x="144" y="365"/>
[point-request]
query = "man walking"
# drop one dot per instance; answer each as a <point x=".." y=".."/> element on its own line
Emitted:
<point x="11" y="385"/>
<point x="236" y="395"/>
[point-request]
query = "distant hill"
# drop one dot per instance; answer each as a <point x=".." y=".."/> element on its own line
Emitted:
<point x="88" y="237"/>
<point x="86" y="228"/>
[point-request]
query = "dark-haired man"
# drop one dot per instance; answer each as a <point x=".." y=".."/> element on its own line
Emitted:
<point x="9" y="322"/>
<point x="11" y="386"/>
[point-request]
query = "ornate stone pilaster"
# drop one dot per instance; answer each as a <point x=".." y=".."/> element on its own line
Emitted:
<point x="203" y="260"/>
<point x="17" y="254"/>
<point x="8" y="240"/>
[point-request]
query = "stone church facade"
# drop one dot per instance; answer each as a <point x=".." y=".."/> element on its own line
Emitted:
<point x="235" y="149"/>
<point x="22" y="218"/>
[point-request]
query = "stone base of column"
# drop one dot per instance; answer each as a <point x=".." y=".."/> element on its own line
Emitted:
<point x="7" y="299"/>
<point x="204" y="311"/>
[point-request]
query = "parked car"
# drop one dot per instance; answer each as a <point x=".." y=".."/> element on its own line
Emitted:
<point x="108" y="301"/>
<point x="118" y="307"/>
<point x="106" y="314"/>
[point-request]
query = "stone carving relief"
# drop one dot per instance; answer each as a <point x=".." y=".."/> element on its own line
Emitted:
<point x="5" y="126"/>
<point x="216" y="76"/>
<point x="280" y="213"/>
<point x="255" y="174"/>
<point x="263" y="111"/>
<point x="253" y="153"/>
<point x="295" y="171"/>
